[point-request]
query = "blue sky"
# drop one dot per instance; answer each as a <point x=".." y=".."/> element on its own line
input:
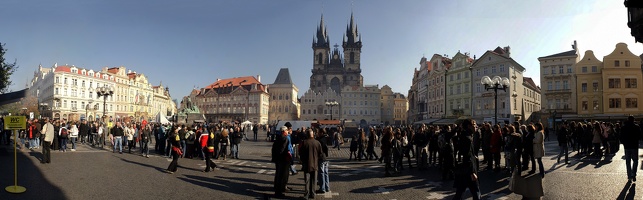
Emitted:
<point x="192" y="43"/>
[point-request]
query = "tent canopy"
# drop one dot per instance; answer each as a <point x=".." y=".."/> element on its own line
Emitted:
<point x="161" y="119"/>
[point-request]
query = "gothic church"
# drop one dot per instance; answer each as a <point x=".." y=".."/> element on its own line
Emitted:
<point x="332" y="69"/>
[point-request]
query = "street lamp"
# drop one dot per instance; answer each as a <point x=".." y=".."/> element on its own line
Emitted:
<point x="104" y="91"/>
<point x="495" y="84"/>
<point x="331" y="104"/>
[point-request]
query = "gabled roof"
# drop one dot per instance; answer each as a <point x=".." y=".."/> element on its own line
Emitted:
<point x="496" y="53"/>
<point x="237" y="81"/>
<point x="283" y="77"/>
<point x="562" y="54"/>
<point x="529" y="82"/>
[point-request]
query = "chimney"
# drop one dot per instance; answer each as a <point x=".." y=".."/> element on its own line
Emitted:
<point x="218" y="79"/>
<point x="259" y="78"/>
<point x="508" y="51"/>
<point x="575" y="46"/>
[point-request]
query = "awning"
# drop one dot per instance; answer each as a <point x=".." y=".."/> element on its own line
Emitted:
<point x="199" y="121"/>
<point x="446" y="121"/>
<point x="12" y="97"/>
<point x="328" y="122"/>
<point x="426" y="121"/>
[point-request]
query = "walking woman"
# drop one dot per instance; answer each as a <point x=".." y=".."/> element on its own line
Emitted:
<point x="145" y="139"/>
<point x="176" y="150"/>
<point x="129" y="133"/>
<point x="494" y="147"/>
<point x="361" y="145"/>
<point x="370" y="148"/>
<point x="539" y="147"/>
<point x="596" y="140"/>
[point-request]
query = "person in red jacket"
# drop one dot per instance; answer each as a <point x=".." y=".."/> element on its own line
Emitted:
<point x="206" y="140"/>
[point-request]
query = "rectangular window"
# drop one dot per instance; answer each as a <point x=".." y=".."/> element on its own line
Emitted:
<point x="614" y="103"/>
<point x="557" y="85"/>
<point x="477" y="72"/>
<point x="561" y="70"/>
<point x="595" y="104"/>
<point x="569" y="69"/>
<point x="549" y="85"/>
<point x="565" y="85"/>
<point x="627" y="63"/>
<point x="614" y="83"/>
<point x="595" y="86"/>
<point x="583" y="87"/>
<point x="594" y="69"/>
<point x="493" y="69"/>
<point x="451" y="77"/>
<point x="545" y="70"/>
<point x="630" y="83"/>
<point x="584" y="105"/>
<point x="466" y="74"/>
<point x="558" y="103"/>
<point x="451" y="90"/>
<point x="466" y="88"/>
<point x="617" y="63"/>
<point x="584" y="69"/>
<point x="459" y="76"/>
<point x="502" y="68"/>
<point x="485" y="71"/>
<point x="553" y="70"/>
<point x="631" y="103"/>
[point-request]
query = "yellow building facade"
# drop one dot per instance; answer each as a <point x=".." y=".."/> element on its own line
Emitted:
<point x="589" y="87"/>
<point x="621" y="77"/>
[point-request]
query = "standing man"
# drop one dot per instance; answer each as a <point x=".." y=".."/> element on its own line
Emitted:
<point x="630" y="136"/>
<point x="466" y="175"/>
<point x="118" y="133"/>
<point x="563" y="135"/>
<point x="184" y="144"/>
<point x="237" y="136"/>
<point x="84" y="131"/>
<point x="282" y="158"/>
<point x="323" y="163"/>
<point x="310" y="154"/>
<point x="255" y="130"/>
<point x="48" y="130"/>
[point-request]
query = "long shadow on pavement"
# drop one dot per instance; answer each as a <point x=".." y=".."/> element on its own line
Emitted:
<point x="30" y="176"/>
<point x="230" y="186"/>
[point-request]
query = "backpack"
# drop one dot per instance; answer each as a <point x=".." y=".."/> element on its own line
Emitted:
<point x="191" y="136"/>
<point x="64" y="133"/>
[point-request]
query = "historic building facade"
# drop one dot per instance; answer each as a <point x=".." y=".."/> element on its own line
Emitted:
<point x="234" y="99"/>
<point x="459" y="86"/>
<point x="313" y="105"/>
<point x="394" y="107"/>
<point x="284" y="104"/>
<point x="590" y="87"/>
<point x="621" y="76"/>
<point x="498" y="63"/>
<point x="69" y="92"/>
<point x="558" y="79"/>
<point x="437" y="86"/>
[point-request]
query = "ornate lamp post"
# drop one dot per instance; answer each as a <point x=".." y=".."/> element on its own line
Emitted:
<point x="331" y="104"/>
<point x="495" y="84"/>
<point x="104" y="91"/>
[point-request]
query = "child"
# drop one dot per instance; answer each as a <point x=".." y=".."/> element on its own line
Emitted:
<point x="353" y="147"/>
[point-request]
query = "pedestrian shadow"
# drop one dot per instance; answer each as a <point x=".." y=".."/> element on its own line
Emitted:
<point x="223" y="184"/>
<point x="30" y="175"/>
<point x="628" y="192"/>
<point x="141" y="164"/>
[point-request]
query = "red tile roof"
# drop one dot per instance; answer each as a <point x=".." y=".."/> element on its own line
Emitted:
<point x="65" y="68"/>
<point x="243" y="81"/>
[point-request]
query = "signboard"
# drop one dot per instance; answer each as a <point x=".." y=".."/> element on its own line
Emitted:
<point x="15" y="122"/>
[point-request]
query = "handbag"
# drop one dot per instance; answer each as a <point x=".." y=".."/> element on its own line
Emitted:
<point x="178" y="150"/>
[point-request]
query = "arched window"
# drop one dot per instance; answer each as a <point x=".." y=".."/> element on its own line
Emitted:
<point x="352" y="61"/>
<point x="319" y="58"/>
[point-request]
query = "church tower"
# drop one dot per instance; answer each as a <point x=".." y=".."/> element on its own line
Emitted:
<point x="321" y="51"/>
<point x="352" y="44"/>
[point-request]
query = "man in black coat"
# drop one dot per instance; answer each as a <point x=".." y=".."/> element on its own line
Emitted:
<point x="310" y="153"/>
<point x="282" y="158"/>
<point x="630" y="136"/>
<point x="466" y="172"/>
<point x="83" y="130"/>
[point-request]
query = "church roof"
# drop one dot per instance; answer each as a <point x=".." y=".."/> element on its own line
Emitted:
<point x="283" y="77"/>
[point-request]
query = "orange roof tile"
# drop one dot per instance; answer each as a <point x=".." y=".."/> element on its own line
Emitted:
<point x="246" y="80"/>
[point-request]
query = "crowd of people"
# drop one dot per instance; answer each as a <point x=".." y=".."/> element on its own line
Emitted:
<point x="453" y="149"/>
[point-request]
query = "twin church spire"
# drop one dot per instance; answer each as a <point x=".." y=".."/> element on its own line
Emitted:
<point x="351" y="37"/>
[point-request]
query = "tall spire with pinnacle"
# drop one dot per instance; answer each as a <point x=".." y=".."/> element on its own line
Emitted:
<point x="352" y="37"/>
<point x="322" y="35"/>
